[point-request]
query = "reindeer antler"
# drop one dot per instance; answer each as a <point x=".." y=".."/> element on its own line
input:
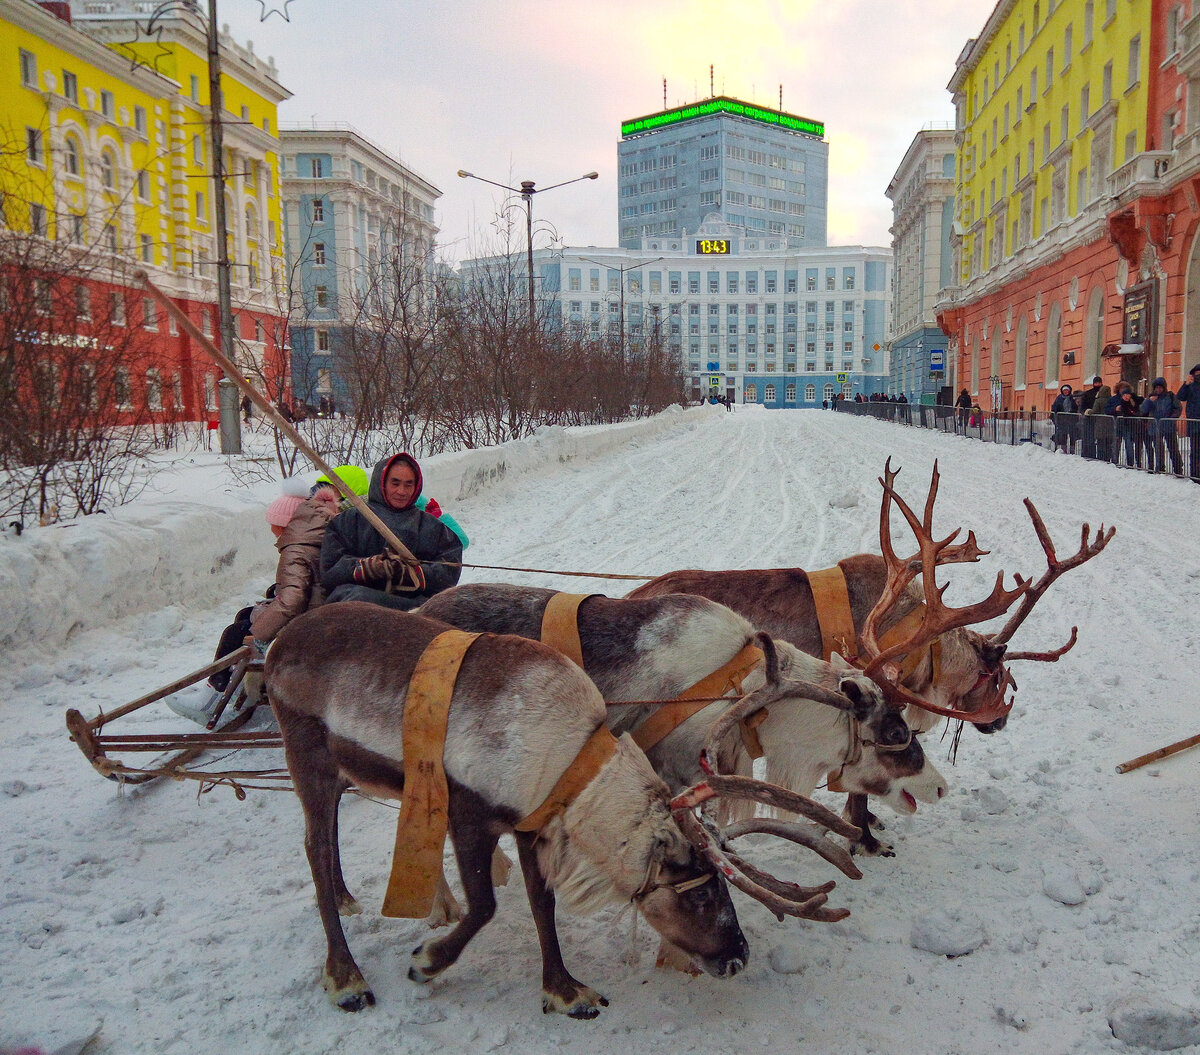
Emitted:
<point x="1088" y="548"/>
<point x="782" y="898"/>
<point x="938" y="617"/>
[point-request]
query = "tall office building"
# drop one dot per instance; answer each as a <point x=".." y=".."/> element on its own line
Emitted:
<point x="721" y="160"/>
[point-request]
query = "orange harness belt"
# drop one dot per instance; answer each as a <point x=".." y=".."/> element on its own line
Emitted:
<point x="425" y="808"/>
<point x="831" y="598"/>
<point x="598" y="749"/>
<point x="560" y="625"/>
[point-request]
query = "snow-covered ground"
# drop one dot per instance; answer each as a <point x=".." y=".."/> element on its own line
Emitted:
<point x="167" y="923"/>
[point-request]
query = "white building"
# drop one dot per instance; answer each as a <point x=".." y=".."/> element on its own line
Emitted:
<point x="749" y="318"/>
<point x="922" y="195"/>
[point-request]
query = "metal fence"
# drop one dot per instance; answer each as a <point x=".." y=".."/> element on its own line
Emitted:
<point x="1169" y="446"/>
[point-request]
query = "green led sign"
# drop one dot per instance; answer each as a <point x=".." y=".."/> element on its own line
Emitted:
<point x="722" y="105"/>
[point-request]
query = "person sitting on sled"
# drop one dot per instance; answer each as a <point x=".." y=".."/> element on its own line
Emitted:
<point x="356" y="564"/>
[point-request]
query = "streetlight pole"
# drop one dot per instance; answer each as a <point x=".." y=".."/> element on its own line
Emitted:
<point x="621" y="297"/>
<point x="527" y="190"/>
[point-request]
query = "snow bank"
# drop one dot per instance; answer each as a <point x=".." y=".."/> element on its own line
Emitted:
<point x="199" y="536"/>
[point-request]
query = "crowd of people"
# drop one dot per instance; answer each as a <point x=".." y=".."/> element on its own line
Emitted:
<point x="329" y="551"/>
<point x="1144" y="430"/>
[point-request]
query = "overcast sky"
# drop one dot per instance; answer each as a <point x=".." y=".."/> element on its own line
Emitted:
<point x="537" y="89"/>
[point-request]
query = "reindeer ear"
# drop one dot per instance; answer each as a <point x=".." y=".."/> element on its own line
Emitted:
<point x="852" y="689"/>
<point x="770" y="654"/>
<point x="992" y="654"/>
<point x="838" y="663"/>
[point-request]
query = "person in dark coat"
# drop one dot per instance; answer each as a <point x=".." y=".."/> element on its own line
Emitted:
<point x="1163" y="406"/>
<point x="1189" y="398"/>
<point x="1087" y="400"/>
<point x="1124" y="408"/>
<point x="356" y="564"/>
<point x="1066" y="420"/>
<point x="964" y="407"/>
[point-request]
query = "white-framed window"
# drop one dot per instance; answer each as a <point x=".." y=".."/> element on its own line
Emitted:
<point x="143" y="185"/>
<point x="116" y="309"/>
<point x="194" y="88"/>
<point x="33" y="146"/>
<point x="112" y="241"/>
<point x="28" y="68"/>
<point x="319" y="253"/>
<point x="322" y="340"/>
<point x="147" y="248"/>
<point x="71" y="157"/>
<point x="197" y="150"/>
<point x="121" y="391"/>
<point x="201" y="212"/>
<point x="154" y="389"/>
<point x="139" y="119"/>
<point x="70" y="86"/>
<point x="317" y="168"/>
<point x="318" y="210"/>
<point x="828" y="392"/>
<point x="321" y="296"/>
<point x="810" y="393"/>
<point x="149" y="314"/>
<point x="108" y="170"/>
<point x="107" y="105"/>
<point x="210" y="392"/>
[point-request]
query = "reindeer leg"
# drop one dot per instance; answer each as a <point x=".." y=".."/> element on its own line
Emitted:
<point x="446" y="909"/>
<point x="560" y="992"/>
<point x="347" y="903"/>
<point x="861" y="816"/>
<point x="319" y="787"/>
<point x="474" y="841"/>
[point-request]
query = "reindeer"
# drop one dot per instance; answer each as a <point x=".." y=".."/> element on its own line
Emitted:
<point x="520" y="714"/>
<point x="827" y="718"/>
<point x="950" y="670"/>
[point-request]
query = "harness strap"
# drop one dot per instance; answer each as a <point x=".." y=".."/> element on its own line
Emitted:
<point x="668" y="718"/>
<point x="425" y="807"/>
<point x="560" y="625"/>
<point x="599" y="748"/>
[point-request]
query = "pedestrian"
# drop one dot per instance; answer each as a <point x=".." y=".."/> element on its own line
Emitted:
<point x="247" y="409"/>
<point x="1087" y="400"/>
<point x="356" y="564"/>
<point x="1163" y="406"/>
<point x="1189" y="397"/>
<point x="1066" y="420"/>
<point x="1124" y="408"/>
<point x="1099" y="425"/>
<point x="964" y="407"/>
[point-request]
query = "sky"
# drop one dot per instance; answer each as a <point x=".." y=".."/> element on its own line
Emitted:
<point x="537" y="89"/>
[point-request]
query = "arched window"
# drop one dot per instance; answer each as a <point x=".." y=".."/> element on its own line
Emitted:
<point x="828" y="391"/>
<point x="108" y="170"/>
<point x="251" y="224"/>
<point x="1053" y="343"/>
<point x="789" y="394"/>
<point x="810" y="393"/>
<point x="1022" y="363"/>
<point x="847" y="389"/>
<point x="71" y="155"/>
<point x="976" y="355"/>
<point x="1093" y="335"/>
<point x="769" y="394"/>
<point x="751" y="394"/>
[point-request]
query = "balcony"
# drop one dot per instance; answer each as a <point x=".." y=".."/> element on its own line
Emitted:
<point x="1143" y="175"/>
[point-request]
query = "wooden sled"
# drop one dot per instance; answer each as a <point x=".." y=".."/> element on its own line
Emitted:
<point x="175" y="752"/>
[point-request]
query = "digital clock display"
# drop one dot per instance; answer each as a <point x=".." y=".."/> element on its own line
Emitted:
<point x="712" y="246"/>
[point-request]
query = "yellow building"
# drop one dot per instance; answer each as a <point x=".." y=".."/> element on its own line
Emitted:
<point x="104" y="142"/>
<point x="1051" y="104"/>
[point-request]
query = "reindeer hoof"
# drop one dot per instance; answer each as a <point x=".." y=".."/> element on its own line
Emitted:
<point x="872" y="848"/>
<point x="424" y="967"/>
<point x="353" y="995"/>
<point x="445" y="911"/>
<point x="582" y="1002"/>
<point x="349" y="906"/>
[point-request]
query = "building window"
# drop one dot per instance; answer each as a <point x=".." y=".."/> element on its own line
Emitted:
<point x="194" y="88"/>
<point x="71" y="156"/>
<point x="33" y="146"/>
<point x="318" y="210"/>
<point x="322" y="296"/>
<point x="143" y="185"/>
<point x="71" y="86"/>
<point x="116" y="311"/>
<point x="319" y="253"/>
<point x="139" y="119"/>
<point x="108" y="171"/>
<point x="1135" y="54"/>
<point x="210" y="392"/>
<point x="201" y="215"/>
<point x="107" y="107"/>
<point x="197" y="150"/>
<point x="121" y="388"/>
<point x="317" y="169"/>
<point x="147" y="244"/>
<point x="28" y="68"/>
<point x="154" y="390"/>
<point x="37" y="220"/>
<point x="149" y="314"/>
<point x="322" y="340"/>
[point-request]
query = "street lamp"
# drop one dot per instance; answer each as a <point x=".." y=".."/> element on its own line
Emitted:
<point x="621" y="299"/>
<point x="527" y="190"/>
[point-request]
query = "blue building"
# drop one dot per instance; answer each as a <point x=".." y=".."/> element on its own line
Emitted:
<point x="762" y="171"/>
<point x="355" y="217"/>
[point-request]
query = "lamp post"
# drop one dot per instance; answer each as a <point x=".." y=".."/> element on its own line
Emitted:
<point x="621" y="297"/>
<point x="527" y="190"/>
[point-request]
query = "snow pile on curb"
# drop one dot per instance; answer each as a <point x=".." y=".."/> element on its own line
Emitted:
<point x="195" y="551"/>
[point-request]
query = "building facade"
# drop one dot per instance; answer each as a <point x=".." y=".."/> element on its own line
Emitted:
<point x="922" y="196"/>
<point x="1076" y="203"/>
<point x="762" y="171"/>
<point x="114" y="163"/>
<point x="360" y="235"/>
<point x="749" y="318"/>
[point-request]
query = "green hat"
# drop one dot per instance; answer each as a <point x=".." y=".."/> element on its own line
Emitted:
<point x="352" y="476"/>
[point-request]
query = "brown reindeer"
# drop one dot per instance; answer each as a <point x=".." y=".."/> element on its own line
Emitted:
<point x="519" y="716"/>
<point x="951" y="670"/>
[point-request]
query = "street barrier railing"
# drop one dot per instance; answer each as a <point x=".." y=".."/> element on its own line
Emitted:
<point x="1168" y="446"/>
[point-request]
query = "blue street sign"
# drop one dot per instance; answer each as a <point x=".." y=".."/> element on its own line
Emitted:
<point x="714" y="366"/>
<point x="937" y="361"/>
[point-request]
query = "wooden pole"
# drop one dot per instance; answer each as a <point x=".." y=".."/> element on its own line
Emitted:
<point x="284" y="426"/>
<point x="1162" y="752"/>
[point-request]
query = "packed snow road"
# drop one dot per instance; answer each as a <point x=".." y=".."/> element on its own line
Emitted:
<point x="168" y="922"/>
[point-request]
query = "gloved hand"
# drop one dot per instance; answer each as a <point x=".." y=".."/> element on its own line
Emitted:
<point x="408" y="578"/>
<point x="377" y="569"/>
